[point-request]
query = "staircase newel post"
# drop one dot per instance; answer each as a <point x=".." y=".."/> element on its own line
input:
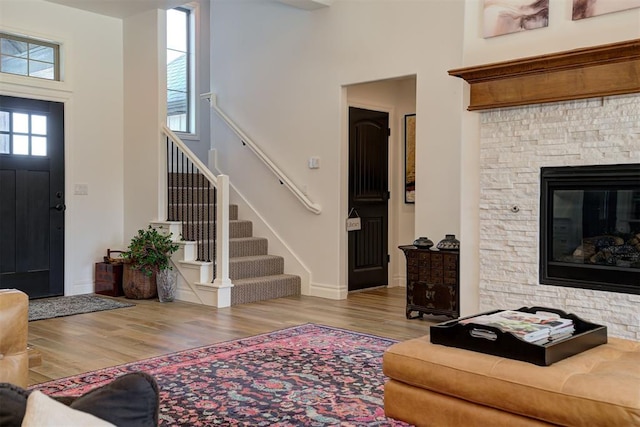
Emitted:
<point x="222" y="280"/>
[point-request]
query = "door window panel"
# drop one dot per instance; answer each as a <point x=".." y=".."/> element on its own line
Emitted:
<point x="20" y="144"/>
<point x="5" y="148"/>
<point x="21" y="123"/>
<point x="38" y="146"/>
<point x="39" y="125"/>
<point x="23" y="134"/>
<point x="4" y="121"/>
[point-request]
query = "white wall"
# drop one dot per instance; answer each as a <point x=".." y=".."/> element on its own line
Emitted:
<point x="203" y="75"/>
<point x="200" y="141"/>
<point x="144" y="111"/>
<point x="279" y="73"/>
<point x="561" y="34"/>
<point x="92" y="93"/>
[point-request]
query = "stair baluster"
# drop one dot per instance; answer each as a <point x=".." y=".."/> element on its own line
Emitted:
<point x="186" y="201"/>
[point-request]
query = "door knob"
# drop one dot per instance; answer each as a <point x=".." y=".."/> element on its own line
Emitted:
<point x="59" y="207"/>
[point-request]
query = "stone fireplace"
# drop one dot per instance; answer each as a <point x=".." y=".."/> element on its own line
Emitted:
<point x="520" y="137"/>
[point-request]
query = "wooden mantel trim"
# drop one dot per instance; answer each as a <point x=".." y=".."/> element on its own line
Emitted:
<point x="611" y="69"/>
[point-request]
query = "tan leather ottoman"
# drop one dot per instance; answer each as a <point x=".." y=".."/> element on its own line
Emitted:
<point x="435" y="385"/>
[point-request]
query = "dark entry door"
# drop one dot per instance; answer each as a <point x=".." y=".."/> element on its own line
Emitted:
<point x="368" y="197"/>
<point x="32" y="196"/>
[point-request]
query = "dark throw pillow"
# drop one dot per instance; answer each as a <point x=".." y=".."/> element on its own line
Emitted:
<point x="13" y="404"/>
<point x="129" y="400"/>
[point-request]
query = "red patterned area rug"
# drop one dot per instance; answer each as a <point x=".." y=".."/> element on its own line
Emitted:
<point x="309" y="375"/>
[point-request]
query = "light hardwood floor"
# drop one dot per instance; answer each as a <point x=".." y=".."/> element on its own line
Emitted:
<point x="76" y="344"/>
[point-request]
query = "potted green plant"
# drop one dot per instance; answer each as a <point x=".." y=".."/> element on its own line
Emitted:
<point x="148" y="254"/>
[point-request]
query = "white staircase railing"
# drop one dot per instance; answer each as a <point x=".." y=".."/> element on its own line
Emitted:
<point x="284" y="179"/>
<point x="190" y="165"/>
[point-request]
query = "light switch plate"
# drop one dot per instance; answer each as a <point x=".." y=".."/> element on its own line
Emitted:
<point x="314" y="162"/>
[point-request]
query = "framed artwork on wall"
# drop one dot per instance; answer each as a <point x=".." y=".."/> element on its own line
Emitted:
<point x="511" y="16"/>
<point x="588" y="8"/>
<point x="410" y="158"/>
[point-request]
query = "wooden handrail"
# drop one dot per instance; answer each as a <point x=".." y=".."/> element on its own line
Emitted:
<point x="282" y="177"/>
<point x="190" y="155"/>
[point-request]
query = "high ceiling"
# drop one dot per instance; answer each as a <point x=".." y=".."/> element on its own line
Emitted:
<point x="124" y="8"/>
<point x="120" y="8"/>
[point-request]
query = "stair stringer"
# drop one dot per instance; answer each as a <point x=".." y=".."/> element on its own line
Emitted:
<point x="277" y="246"/>
<point x="194" y="277"/>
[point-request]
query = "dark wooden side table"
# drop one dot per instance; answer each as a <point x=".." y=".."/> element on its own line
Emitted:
<point x="433" y="282"/>
<point x="108" y="279"/>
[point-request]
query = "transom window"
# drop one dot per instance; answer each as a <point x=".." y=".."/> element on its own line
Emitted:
<point x="180" y="102"/>
<point x="23" y="133"/>
<point x="28" y="57"/>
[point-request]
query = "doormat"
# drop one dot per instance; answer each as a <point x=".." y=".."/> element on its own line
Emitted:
<point x="47" y="308"/>
<point x="308" y="375"/>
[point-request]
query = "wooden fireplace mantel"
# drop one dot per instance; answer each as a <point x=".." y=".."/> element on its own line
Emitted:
<point x="611" y="69"/>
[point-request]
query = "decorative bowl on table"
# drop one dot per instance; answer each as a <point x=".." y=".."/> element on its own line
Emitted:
<point x="449" y="243"/>
<point x="423" y="243"/>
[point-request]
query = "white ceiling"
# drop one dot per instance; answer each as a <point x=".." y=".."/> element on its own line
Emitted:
<point x="120" y="8"/>
<point x="124" y="8"/>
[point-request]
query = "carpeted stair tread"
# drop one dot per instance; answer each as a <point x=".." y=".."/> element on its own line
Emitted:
<point x="237" y="229"/>
<point x="233" y="212"/>
<point x="240" y="228"/>
<point x="189" y="211"/>
<point x="248" y="246"/>
<point x="185" y="195"/>
<point x="263" y="288"/>
<point x="255" y="266"/>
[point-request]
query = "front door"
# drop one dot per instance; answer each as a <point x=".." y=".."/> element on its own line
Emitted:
<point x="368" y="197"/>
<point x="32" y="196"/>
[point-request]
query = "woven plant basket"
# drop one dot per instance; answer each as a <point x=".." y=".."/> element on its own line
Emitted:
<point x="137" y="285"/>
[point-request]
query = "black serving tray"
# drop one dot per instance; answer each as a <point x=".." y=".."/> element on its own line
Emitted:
<point x="454" y="334"/>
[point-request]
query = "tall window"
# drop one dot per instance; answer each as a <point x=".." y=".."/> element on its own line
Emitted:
<point x="180" y="102"/>
<point x="28" y="57"/>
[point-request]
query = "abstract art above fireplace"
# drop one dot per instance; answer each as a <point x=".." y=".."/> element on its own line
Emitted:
<point x="590" y="227"/>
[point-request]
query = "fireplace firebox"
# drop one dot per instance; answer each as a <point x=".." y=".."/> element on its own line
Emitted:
<point x="590" y="227"/>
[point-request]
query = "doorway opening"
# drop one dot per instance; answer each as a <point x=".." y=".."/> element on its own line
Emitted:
<point x="396" y="98"/>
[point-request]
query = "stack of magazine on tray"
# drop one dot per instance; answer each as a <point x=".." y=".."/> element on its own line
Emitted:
<point x="538" y="328"/>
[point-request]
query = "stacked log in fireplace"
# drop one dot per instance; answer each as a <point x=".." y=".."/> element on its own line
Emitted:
<point x="609" y="250"/>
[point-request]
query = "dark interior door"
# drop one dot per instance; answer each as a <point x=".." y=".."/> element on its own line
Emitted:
<point x="32" y="196"/>
<point x="368" y="197"/>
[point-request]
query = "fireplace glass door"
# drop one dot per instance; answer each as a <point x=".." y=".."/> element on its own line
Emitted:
<point x="590" y="227"/>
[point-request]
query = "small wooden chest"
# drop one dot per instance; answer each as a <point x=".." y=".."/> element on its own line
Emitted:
<point x="108" y="279"/>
